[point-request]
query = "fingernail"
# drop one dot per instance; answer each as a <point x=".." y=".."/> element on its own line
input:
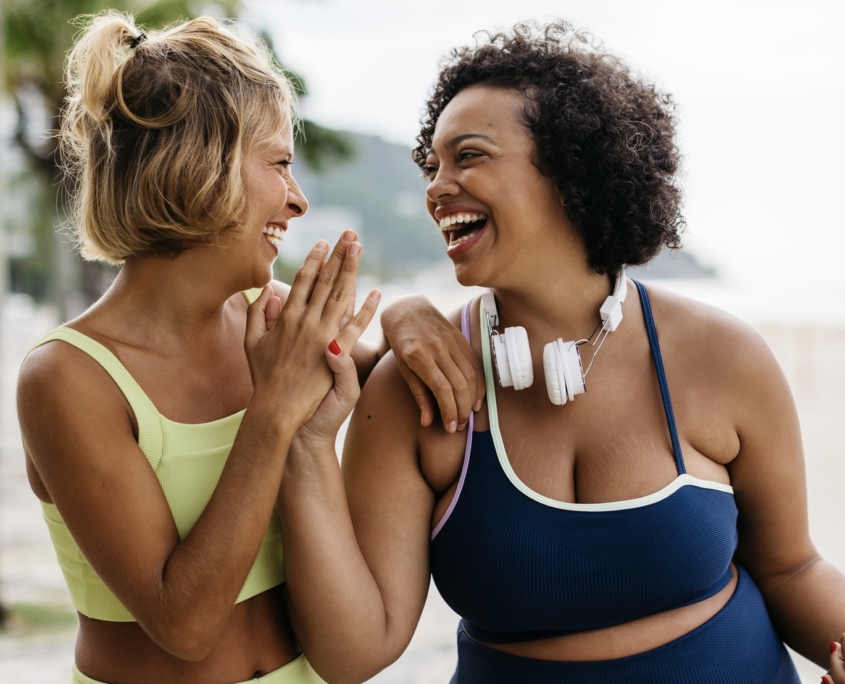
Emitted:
<point x="451" y="427"/>
<point x="334" y="348"/>
<point x="477" y="406"/>
<point x="461" y="427"/>
<point x="833" y="646"/>
<point x="354" y="249"/>
<point x="321" y="245"/>
<point x="375" y="294"/>
<point x="348" y="236"/>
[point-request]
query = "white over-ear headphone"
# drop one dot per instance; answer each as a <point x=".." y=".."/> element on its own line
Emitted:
<point x="565" y="377"/>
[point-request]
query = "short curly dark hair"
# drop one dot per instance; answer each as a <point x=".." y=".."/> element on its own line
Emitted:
<point x="603" y="135"/>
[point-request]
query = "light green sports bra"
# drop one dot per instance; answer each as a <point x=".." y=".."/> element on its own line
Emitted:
<point x="187" y="460"/>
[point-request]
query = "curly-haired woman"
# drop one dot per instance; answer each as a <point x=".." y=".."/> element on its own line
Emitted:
<point x="156" y="425"/>
<point x="653" y="529"/>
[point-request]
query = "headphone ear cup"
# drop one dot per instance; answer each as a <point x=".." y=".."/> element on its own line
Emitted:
<point x="572" y="371"/>
<point x="553" y="370"/>
<point x="519" y="357"/>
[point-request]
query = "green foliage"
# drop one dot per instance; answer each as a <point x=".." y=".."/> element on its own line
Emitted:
<point x="36" y="37"/>
<point x="322" y="146"/>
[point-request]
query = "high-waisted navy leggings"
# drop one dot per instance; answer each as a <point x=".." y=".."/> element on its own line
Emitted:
<point x="738" y="645"/>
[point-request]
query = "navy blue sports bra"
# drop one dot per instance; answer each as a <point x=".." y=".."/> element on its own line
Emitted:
<point x="519" y="566"/>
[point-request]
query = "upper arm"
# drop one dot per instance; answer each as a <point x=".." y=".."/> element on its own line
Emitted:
<point x="390" y="502"/>
<point x="767" y="473"/>
<point x="77" y="429"/>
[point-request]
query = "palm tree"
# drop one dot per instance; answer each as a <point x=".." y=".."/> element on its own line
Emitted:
<point x="37" y="34"/>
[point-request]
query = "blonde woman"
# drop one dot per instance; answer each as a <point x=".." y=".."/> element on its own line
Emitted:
<point x="156" y="425"/>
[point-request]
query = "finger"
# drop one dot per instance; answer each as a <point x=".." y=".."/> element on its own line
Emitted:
<point x="256" y="317"/>
<point x="452" y="396"/>
<point x="349" y="313"/>
<point x="325" y="283"/>
<point x="419" y="391"/>
<point x="307" y="274"/>
<point x="353" y="330"/>
<point x="272" y="312"/>
<point x="468" y="400"/>
<point x="345" y="374"/>
<point x="343" y="288"/>
<point x="478" y="371"/>
<point x="837" y="663"/>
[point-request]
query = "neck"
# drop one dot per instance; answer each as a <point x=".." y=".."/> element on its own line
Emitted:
<point x="166" y="296"/>
<point x="563" y="304"/>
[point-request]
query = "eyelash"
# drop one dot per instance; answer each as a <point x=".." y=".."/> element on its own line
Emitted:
<point x="429" y="170"/>
<point x="285" y="163"/>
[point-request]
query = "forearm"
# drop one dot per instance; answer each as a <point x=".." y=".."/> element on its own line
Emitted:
<point x="808" y="609"/>
<point x="337" y="608"/>
<point x="203" y="575"/>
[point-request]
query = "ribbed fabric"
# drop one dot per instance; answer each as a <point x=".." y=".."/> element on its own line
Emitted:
<point x="518" y="566"/>
<point x="187" y="459"/>
<point x="298" y="671"/>
<point x="736" y="646"/>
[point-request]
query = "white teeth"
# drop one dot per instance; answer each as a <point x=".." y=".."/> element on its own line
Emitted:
<point x="463" y="238"/>
<point x="274" y="233"/>
<point x="452" y="219"/>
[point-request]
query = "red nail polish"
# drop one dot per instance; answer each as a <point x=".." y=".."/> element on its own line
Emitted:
<point x="833" y="646"/>
<point x="334" y="348"/>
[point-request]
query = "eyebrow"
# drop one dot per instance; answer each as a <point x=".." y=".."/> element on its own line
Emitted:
<point x="458" y="139"/>
<point x="468" y="136"/>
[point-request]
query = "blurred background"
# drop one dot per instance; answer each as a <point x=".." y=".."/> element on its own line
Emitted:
<point x="760" y="93"/>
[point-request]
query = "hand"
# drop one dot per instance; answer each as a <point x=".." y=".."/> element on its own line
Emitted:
<point x="837" y="664"/>
<point x="285" y="346"/>
<point x="341" y="399"/>
<point x="432" y="354"/>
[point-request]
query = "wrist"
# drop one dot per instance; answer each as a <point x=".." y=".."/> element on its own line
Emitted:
<point x="274" y="416"/>
<point x="309" y="441"/>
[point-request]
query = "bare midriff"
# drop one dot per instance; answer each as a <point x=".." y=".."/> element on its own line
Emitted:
<point x="256" y="640"/>
<point x="626" y="639"/>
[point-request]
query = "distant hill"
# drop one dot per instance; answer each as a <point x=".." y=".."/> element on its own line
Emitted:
<point x="380" y="193"/>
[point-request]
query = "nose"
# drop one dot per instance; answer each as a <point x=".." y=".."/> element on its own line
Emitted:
<point x="297" y="202"/>
<point x="441" y="186"/>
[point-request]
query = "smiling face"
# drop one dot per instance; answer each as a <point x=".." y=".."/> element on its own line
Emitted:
<point x="273" y="199"/>
<point x="498" y="214"/>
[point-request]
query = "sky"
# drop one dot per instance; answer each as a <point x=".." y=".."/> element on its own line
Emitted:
<point x="759" y="86"/>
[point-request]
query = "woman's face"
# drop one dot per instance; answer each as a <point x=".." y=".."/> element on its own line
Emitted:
<point x="498" y="214"/>
<point x="273" y="199"/>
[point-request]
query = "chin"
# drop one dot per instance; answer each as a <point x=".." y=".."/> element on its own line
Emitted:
<point x="468" y="276"/>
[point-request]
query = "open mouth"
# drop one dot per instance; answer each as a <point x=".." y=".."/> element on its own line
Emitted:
<point x="459" y="228"/>
<point x="275" y="234"/>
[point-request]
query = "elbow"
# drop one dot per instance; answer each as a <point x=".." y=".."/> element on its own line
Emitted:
<point x="189" y="642"/>
<point x="334" y="670"/>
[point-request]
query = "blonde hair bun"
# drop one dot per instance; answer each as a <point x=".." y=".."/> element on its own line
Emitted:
<point x="155" y="130"/>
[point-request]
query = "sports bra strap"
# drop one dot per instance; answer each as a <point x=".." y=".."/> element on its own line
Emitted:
<point x="465" y="329"/>
<point x="150" y="438"/>
<point x="661" y="377"/>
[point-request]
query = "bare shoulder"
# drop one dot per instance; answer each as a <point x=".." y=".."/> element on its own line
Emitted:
<point x="385" y="399"/>
<point x="59" y="371"/>
<point x="65" y="400"/>
<point x="714" y="346"/>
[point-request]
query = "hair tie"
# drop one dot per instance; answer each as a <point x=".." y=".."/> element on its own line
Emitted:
<point x="137" y="41"/>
